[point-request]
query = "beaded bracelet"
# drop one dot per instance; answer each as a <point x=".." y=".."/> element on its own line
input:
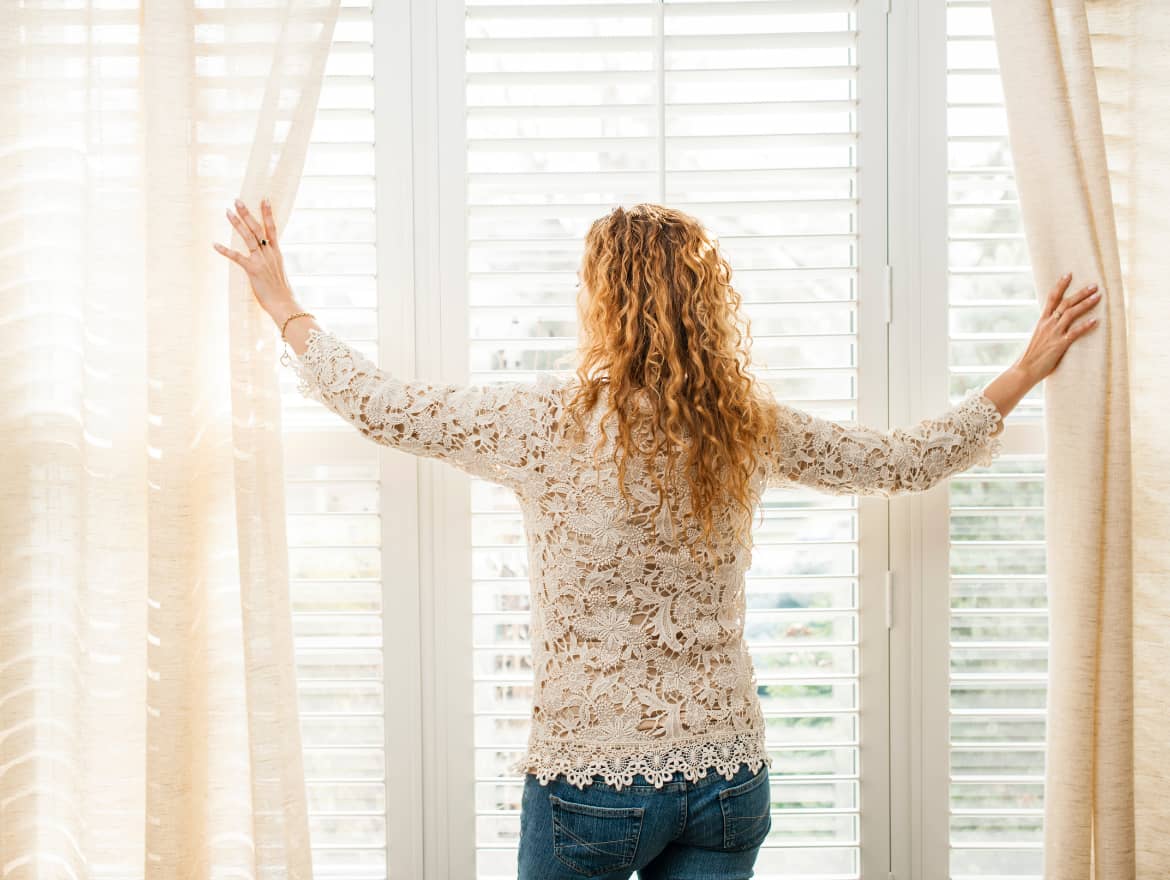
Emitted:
<point x="290" y="317"/>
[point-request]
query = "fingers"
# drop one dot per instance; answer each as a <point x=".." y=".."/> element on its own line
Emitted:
<point x="251" y="229"/>
<point x="246" y="232"/>
<point x="269" y="221"/>
<point x="1081" y="329"/>
<point x="254" y="224"/>
<point x="233" y="255"/>
<point x="1080" y="302"/>
<point x="1056" y="293"/>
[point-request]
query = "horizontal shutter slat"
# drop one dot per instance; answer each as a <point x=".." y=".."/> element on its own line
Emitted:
<point x="487" y="11"/>
<point x="673" y="42"/>
<point x="713" y="75"/>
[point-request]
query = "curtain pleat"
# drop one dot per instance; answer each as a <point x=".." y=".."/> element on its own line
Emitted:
<point x="148" y="702"/>
<point x="1086" y="85"/>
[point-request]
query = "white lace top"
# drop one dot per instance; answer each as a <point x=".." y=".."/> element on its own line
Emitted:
<point x="638" y="652"/>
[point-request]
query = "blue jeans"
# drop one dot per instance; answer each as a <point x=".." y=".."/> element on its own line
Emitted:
<point x="709" y="829"/>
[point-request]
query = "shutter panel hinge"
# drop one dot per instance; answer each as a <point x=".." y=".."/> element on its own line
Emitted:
<point x="889" y="294"/>
<point x="889" y="604"/>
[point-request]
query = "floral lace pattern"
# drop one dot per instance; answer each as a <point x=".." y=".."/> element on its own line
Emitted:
<point x="640" y="664"/>
<point x="847" y="458"/>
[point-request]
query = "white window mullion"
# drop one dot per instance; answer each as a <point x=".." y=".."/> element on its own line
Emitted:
<point x="445" y="807"/>
<point x="873" y="396"/>
<point x="930" y="553"/>
<point x="918" y="351"/>
<point x="452" y="525"/>
<point x="401" y="527"/>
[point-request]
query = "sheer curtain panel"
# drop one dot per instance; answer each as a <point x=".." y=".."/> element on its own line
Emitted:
<point x="148" y="708"/>
<point x="1086" y="84"/>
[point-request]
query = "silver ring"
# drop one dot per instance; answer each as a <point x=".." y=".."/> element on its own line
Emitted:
<point x="1057" y="314"/>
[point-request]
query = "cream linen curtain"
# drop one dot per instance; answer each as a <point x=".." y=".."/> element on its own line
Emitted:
<point x="148" y="714"/>
<point x="1087" y="87"/>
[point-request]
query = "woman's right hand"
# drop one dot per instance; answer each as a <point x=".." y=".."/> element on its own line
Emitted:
<point x="1054" y="331"/>
<point x="264" y="264"/>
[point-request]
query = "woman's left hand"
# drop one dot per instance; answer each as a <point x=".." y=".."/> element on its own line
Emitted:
<point x="264" y="262"/>
<point x="1055" y="332"/>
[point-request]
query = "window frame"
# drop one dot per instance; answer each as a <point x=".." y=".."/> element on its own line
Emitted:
<point x="919" y="387"/>
<point x="404" y="638"/>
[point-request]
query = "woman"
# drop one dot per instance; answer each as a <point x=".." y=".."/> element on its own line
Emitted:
<point x="638" y="479"/>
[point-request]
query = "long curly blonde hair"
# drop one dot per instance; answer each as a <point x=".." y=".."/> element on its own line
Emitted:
<point x="662" y="320"/>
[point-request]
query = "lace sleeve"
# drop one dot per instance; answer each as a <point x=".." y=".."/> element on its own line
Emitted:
<point x="847" y="458"/>
<point x="494" y="431"/>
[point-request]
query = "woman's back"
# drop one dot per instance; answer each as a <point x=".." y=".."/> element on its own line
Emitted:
<point x="638" y="648"/>
<point x="640" y="664"/>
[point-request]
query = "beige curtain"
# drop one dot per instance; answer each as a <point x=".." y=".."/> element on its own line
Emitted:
<point x="148" y="713"/>
<point x="1087" y="86"/>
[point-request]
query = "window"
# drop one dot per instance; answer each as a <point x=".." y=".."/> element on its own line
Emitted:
<point x="998" y="597"/>
<point x="748" y="115"/>
<point x="755" y="117"/>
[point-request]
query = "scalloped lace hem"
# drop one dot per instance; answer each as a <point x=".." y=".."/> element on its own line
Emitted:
<point x="617" y="764"/>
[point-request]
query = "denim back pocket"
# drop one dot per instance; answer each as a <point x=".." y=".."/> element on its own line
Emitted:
<point x="747" y="813"/>
<point x="595" y="840"/>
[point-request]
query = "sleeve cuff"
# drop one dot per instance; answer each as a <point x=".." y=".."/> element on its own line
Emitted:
<point x="986" y="421"/>
<point x="306" y="366"/>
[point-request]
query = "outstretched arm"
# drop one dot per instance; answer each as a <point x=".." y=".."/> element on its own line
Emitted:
<point x="497" y="431"/>
<point x="852" y="459"/>
<point x="494" y="431"/>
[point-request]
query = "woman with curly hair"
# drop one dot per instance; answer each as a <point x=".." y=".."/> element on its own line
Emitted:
<point x="638" y="478"/>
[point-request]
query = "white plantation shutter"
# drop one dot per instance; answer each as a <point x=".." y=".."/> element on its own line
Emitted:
<point x="334" y="478"/>
<point x="747" y="115"/>
<point x="998" y="615"/>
